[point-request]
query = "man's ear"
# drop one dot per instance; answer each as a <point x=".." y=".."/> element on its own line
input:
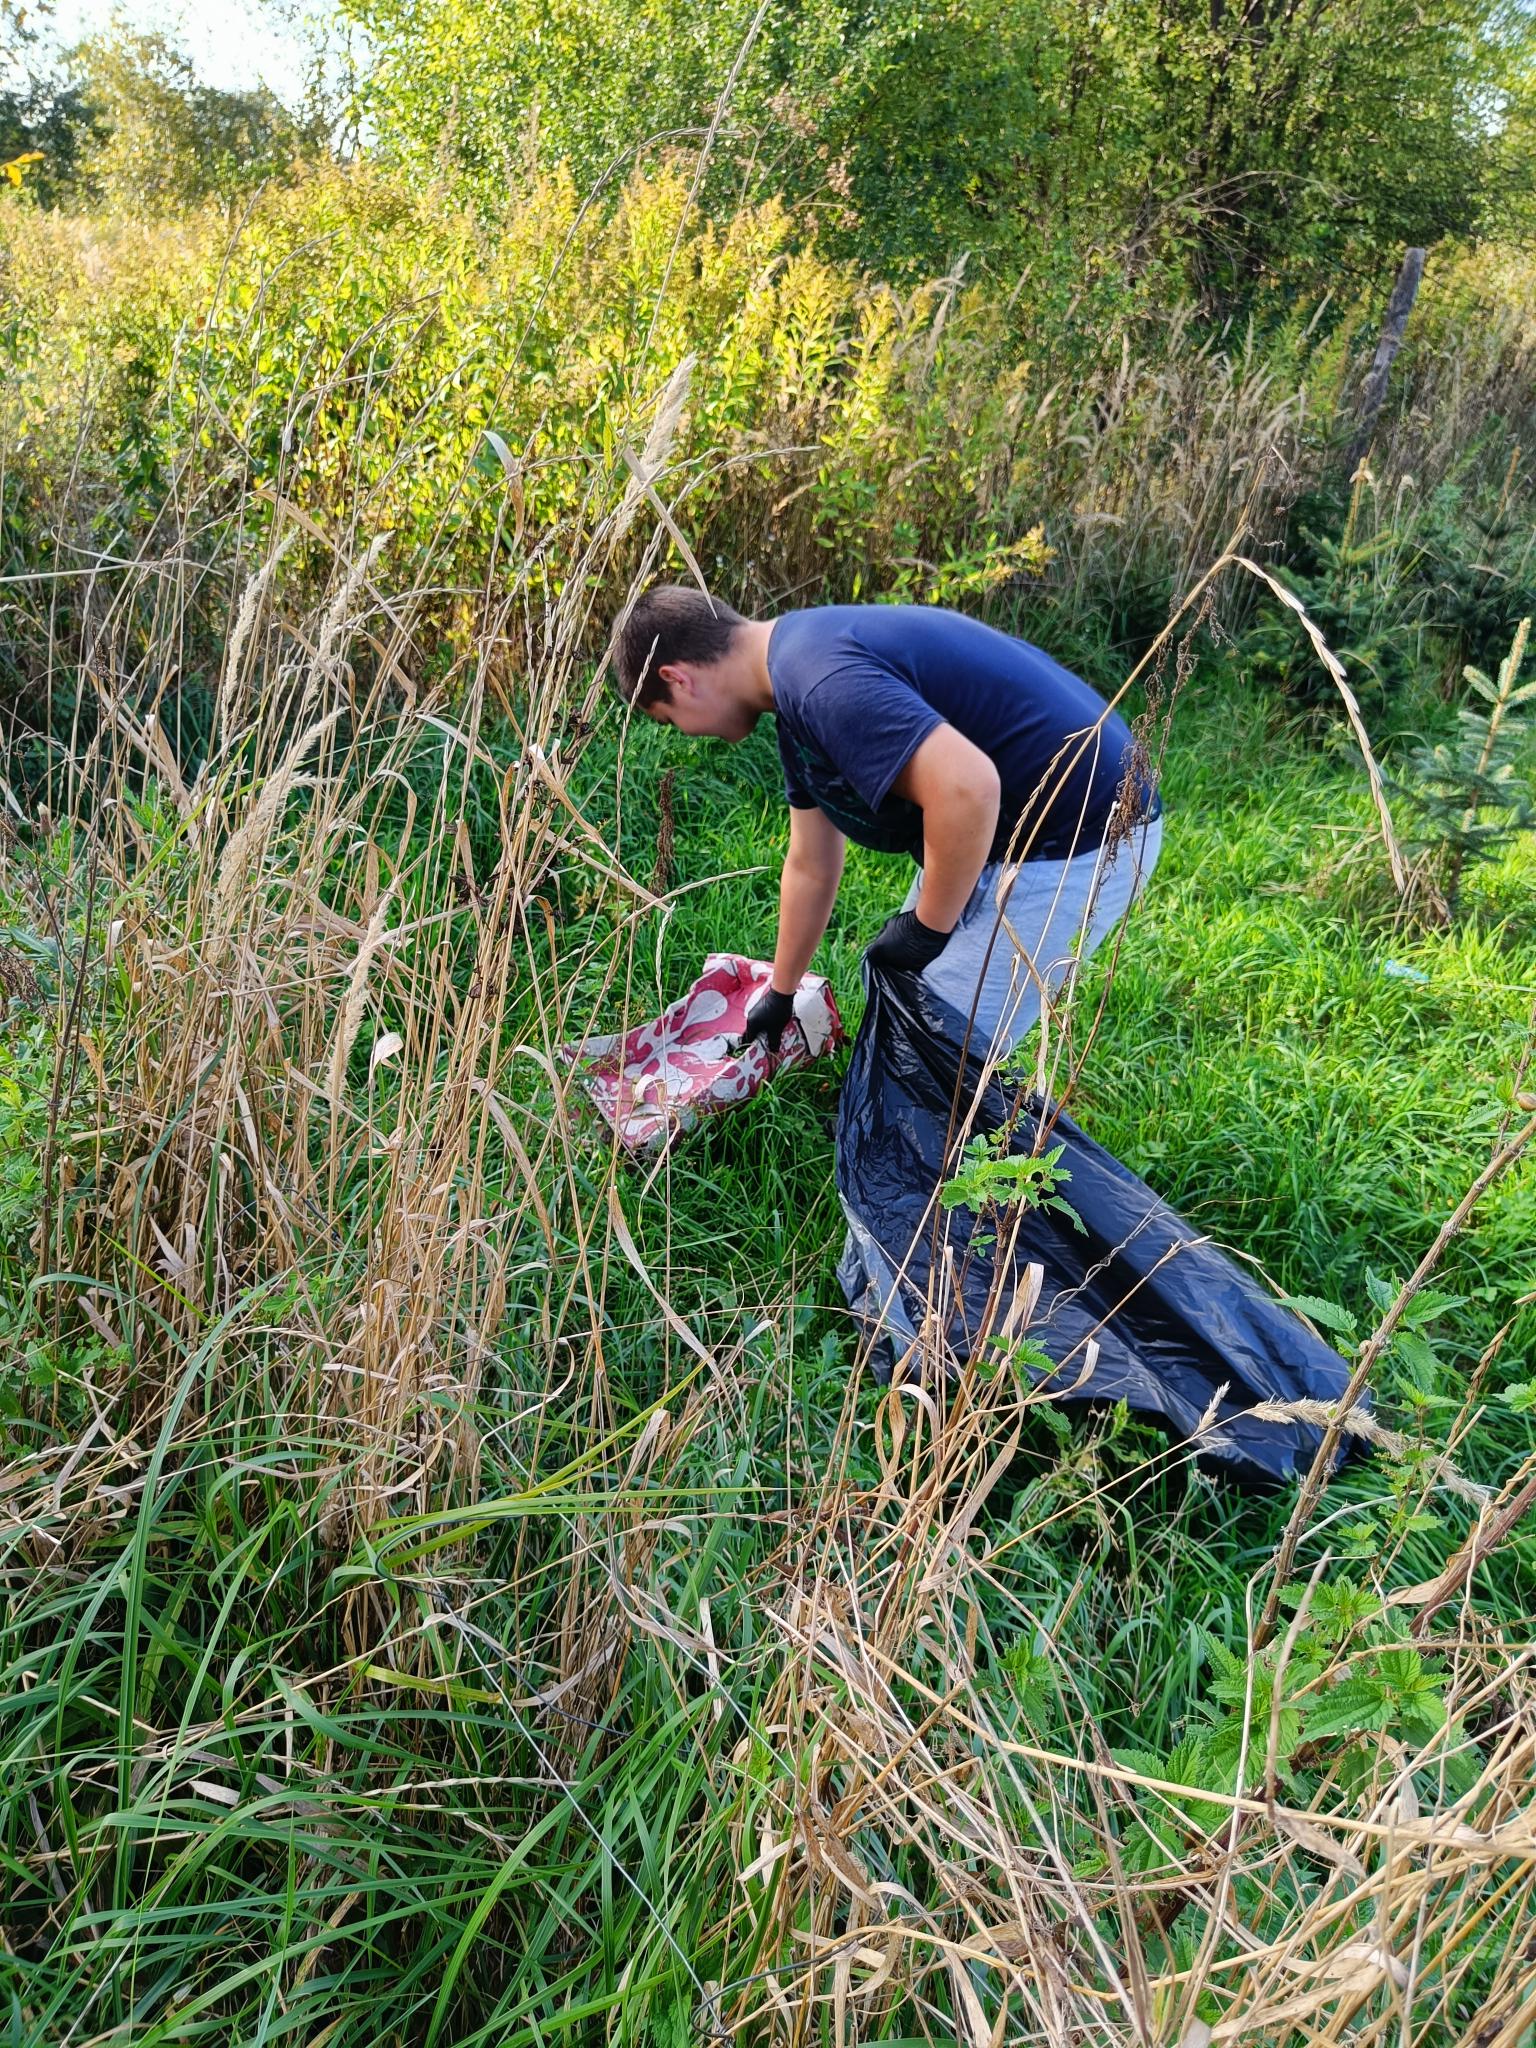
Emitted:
<point x="676" y="678"/>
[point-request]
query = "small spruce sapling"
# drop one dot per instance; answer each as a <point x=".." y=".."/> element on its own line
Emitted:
<point x="1355" y="590"/>
<point x="1470" y="792"/>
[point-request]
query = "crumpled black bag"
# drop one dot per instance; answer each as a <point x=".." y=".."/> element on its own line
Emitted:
<point x="1174" y="1318"/>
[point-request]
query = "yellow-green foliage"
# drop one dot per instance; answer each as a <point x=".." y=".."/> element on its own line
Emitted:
<point x="826" y="415"/>
<point x="87" y="301"/>
<point x="350" y="346"/>
<point x="1471" y="347"/>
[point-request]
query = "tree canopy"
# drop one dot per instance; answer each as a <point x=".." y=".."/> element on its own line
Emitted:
<point x="1262" y="145"/>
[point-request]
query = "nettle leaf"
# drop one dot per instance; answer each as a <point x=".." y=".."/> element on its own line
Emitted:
<point x="1289" y="1738"/>
<point x="1459" y="1765"/>
<point x="1144" y="1852"/>
<point x="1226" y="1749"/>
<point x="1337" y="1607"/>
<point x="1353" y="1770"/>
<point x="1355" y="1706"/>
<point x="1521" y="1396"/>
<point x="1425" y="1715"/>
<point x="1327" y="1314"/>
<point x="1383" y="1292"/>
<point x="1192" y="1764"/>
<point x="1430" y="1304"/>
<point x="1424" y="1404"/>
<point x="1233" y="1689"/>
<point x="1145" y="1762"/>
<point x="1424" y="1519"/>
<point x="1057" y="1423"/>
<point x="1418" y="1355"/>
<point x="1031" y="1673"/>
<point x="1221" y="1752"/>
<point x="1183" y="1765"/>
<point x="1222" y="1661"/>
<point x="1066" y="1209"/>
<point x="1402" y="1669"/>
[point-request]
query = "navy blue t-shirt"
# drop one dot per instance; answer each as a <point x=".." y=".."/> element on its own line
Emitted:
<point x="858" y="688"/>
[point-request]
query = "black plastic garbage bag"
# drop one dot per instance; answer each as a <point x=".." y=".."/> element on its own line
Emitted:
<point x="1175" y="1320"/>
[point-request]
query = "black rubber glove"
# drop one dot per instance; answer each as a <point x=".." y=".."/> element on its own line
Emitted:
<point x="905" y="945"/>
<point x="766" y="1020"/>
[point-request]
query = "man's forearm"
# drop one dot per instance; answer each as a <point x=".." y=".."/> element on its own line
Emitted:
<point x="806" y="897"/>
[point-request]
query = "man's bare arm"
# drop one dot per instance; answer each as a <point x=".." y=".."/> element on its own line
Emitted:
<point x="813" y="869"/>
<point x="957" y="789"/>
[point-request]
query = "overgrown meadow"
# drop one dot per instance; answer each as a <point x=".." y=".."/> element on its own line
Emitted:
<point x="462" y="1587"/>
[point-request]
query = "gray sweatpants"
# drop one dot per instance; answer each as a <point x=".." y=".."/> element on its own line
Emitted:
<point x="1028" y="926"/>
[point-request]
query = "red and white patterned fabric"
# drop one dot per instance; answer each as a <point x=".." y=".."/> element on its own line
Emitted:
<point x="653" y="1083"/>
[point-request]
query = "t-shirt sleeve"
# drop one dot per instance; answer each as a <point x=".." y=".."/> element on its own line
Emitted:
<point x="796" y="793"/>
<point x="869" y="724"/>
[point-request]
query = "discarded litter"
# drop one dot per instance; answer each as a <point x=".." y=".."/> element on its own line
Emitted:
<point x="1399" y="970"/>
<point x="1137" y="1307"/>
<point x="654" y="1082"/>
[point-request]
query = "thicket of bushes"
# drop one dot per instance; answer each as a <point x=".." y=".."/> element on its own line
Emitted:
<point x="1232" y="152"/>
<point x="948" y="275"/>
<point x="411" y="376"/>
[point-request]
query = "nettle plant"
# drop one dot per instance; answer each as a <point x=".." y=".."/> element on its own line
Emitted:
<point x="1309" y="1711"/>
<point x="991" y="1180"/>
<point x="1346" y="1677"/>
<point x="1313" y="1713"/>
<point x="1421" y="1385"/>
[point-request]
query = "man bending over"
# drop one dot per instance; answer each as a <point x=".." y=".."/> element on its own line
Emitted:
<point x="1020" y="794"/>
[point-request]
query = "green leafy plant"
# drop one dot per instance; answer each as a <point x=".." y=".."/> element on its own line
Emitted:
<point x="1026" y="1667"/>
<point x="1415" y="1367"/>
<point x="979" y="572"/>
<point x="1344" y="1678"/>
<point x="991" y="1177"/>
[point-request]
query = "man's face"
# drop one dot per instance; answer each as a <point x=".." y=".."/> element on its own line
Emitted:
<point x="704" y="703"/>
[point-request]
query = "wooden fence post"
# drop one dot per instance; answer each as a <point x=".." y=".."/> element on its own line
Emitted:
<point x="1374" y="390"/>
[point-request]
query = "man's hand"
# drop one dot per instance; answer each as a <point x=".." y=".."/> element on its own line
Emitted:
<point x="766" y="1020"/>
<point x="905" y="945"/>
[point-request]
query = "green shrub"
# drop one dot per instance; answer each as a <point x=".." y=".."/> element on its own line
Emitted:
<point x="352" y="350"/>
<point x="1354" y="592"/>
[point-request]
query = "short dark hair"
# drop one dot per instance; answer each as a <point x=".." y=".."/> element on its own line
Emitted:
<point x="669" y="622"/>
